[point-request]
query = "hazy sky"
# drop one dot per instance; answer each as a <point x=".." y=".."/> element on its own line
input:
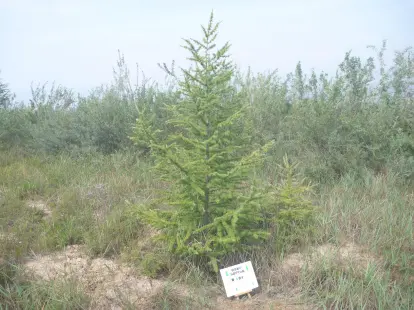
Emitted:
<point x="75" y="42"/>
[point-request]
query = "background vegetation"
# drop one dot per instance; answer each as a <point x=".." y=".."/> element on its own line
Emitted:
<point x="351" y="134"/>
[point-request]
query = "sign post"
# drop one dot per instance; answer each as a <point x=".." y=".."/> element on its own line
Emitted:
<point x="239" y="279"/>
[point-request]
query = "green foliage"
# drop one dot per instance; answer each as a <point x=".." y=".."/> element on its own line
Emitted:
<point x="15" y="127"/>
<point x="57" y="121"/>
<point x="292" y="214"/>
<point x="105" y="122"/>
<point x="299" y="83"/>
<point x="6" y="97"/>
<point x="207" y="160"/>
<point x="153" y="264"/>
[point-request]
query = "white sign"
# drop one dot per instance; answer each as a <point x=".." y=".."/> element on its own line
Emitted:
<point x="239" y="279"/>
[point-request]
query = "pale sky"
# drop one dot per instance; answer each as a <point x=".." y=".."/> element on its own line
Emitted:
<point x="75" y="42"/>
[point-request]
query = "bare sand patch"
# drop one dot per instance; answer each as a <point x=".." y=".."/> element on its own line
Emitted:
<point x="348" y="253"/>
<point x="41" y="206"/>
<point x="110" y="284"/>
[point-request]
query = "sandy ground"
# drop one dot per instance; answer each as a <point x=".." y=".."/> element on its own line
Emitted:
<point x="41" y="206"/>
<point x="112" y="285"/>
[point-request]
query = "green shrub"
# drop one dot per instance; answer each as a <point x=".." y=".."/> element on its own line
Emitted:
<point x="292" y="214"/>
<point x="208" y="161"/>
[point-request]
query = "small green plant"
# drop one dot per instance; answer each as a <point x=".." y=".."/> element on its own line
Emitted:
<point x="153" y="264"/>
<point x="291" y="214"/>
<point x="207" y="161"/>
